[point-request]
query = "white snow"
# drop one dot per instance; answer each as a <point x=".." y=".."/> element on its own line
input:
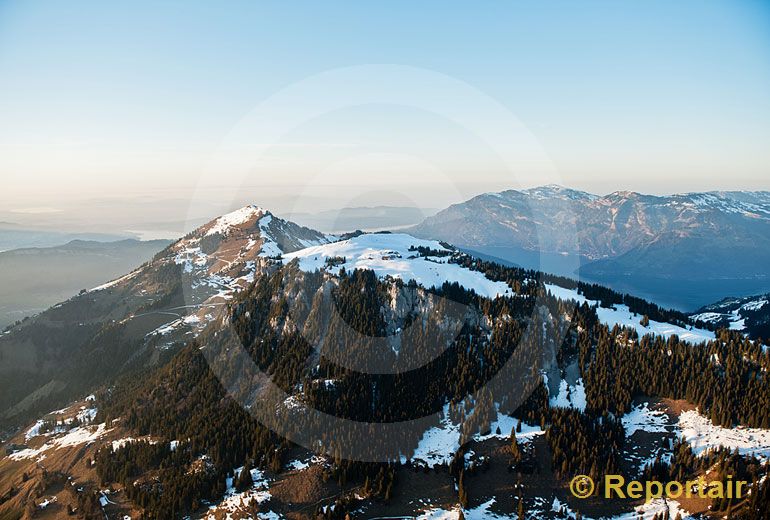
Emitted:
<point x="738" y="324"/>
<point x="300" y="465"/>
<point x="735" y="318"/>
<point x="166" y="328"/>
<point x="223" y="224"/>
<point x="642" y="418"/>
<point x="81" y="435"/>
<point x="481" y="512"/>
<point x="570" y="396"/>
<point x="389" y="255"/>
<point x="269" y="245"/>
<point x="116" y="281"/>
<point x="657" y="506"/>
<point x="703" y="435"/>
<point x="753" y="306"/>
<point x="120" y="443"/>
<point x="191" y="319"/>
<point x="233" y="501"/>
<point x="74" y="437"/>
<point x="191" y="257"/>
<point x="707" y="316"/>
<point x="84" y="415"/>
<point x="621" y="315"/>
<point x="48" y="501"/>
<point x="35" y="430"/>
<point x="439" y="443"/>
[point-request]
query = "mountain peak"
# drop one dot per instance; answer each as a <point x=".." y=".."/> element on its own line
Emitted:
<point x="557" y="191"/>
<point x="623" y="194"/>
<point x="235" y="219"/>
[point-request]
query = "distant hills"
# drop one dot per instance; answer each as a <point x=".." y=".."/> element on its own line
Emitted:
<point x="34" y="278"/>
<point x="683" y="250"/>
<point x="16" y="236"/>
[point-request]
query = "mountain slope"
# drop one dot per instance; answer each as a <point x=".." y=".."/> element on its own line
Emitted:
<point x="93" y="337"/>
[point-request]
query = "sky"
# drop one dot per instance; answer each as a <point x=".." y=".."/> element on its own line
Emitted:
<point x="310" y="106"/>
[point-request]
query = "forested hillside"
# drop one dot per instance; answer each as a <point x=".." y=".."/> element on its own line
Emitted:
<point x="727" y="379"/>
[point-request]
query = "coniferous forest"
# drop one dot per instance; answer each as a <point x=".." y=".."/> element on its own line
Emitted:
<point x="281" y="319"/>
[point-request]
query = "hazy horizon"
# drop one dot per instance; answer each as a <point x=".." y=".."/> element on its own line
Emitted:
<point x="146" y="115"/>
<point x="169" y="214"/>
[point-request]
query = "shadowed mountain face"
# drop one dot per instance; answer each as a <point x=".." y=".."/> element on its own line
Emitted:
<point x="680" y="250"/>
<point x="97" y="335"/>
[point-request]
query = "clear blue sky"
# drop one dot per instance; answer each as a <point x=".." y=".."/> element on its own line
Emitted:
<point x="656" y="96"/>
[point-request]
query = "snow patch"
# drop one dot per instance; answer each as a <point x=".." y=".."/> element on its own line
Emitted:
<point x="234" y="501"/>
<point x="570" y="396"/>
<point x="439" y="443"/>
<point x="703" y="436"/>
<point x="74" y="437"/>
<point x="642" y="418"/>
<point x="622" y="316"/>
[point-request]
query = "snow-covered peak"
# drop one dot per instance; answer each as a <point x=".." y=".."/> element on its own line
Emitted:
<point x="241" y="216"/>
<point x="556" y="191"/>
<point x="622" y="196"/>
<point x="756" y="204"/>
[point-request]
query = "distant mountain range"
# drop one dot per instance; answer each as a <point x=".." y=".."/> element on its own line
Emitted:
<point x="681" y="250"/>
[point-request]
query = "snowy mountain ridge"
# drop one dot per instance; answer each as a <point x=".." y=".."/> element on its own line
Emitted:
<point x="750" y="314"/>
<point x="682" y="250"/>
<point x="397" y="255"/>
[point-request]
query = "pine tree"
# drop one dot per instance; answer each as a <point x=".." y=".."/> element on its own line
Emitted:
<point x="462" y="495"/>
<point x="244" y="481"/>
<point x="515" y="450"/>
